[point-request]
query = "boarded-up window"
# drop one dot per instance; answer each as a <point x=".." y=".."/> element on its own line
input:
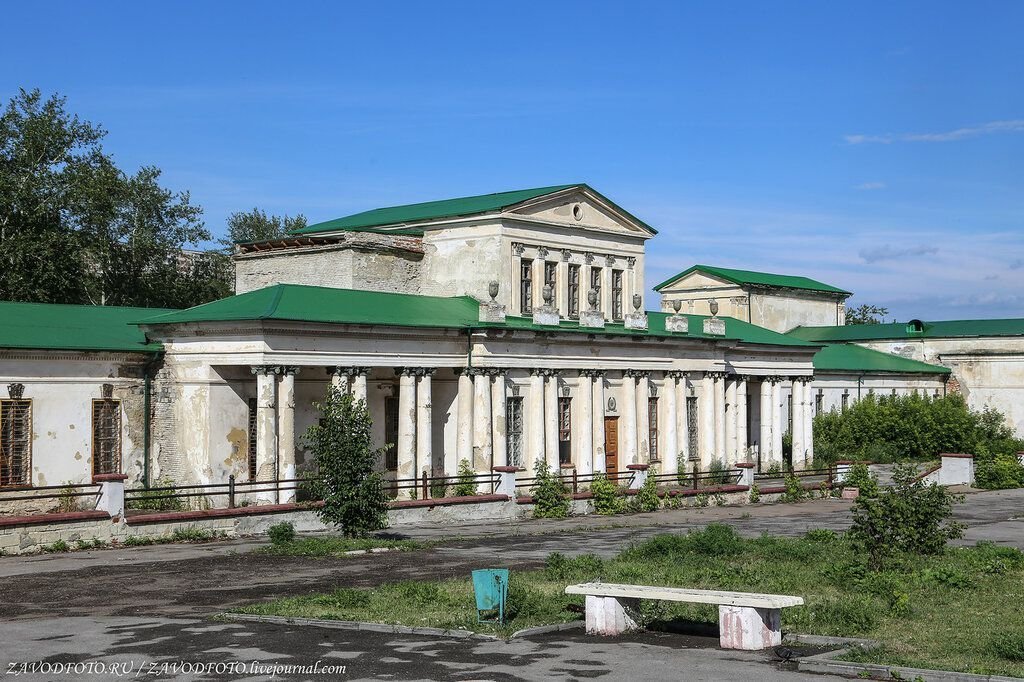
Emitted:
<point x="106" y="436"/>
<point x="391" y="433"/>
<point x="15" y="442"/>
<point x="251" y="454"/>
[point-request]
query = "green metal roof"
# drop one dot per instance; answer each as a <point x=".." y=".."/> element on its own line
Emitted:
<point x="764" y="279"/>
<point x="915" y="329"/>
<point x="374" y="220"/>
<point x="299" y="303"/>
<point x="48" y="326"/>
<point x="853" y="358"/>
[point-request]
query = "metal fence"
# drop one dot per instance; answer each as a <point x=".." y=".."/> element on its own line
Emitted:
<point x="61" y="498"/>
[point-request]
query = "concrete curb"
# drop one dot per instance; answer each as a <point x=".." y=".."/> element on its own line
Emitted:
<point x="375" y="550"/>
<point x="826" y="663"/>
<point x="544" y="629"/>
<point x="358" y="625"/>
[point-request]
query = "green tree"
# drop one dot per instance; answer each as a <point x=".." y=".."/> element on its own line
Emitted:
<point x="256" y="225"/>
<point x="866" y="314"/>
<point x="74" y="228"/>
<point x="343" y="473"/>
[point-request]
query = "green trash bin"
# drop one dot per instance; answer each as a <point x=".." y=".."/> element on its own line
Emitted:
<point x="490" y="585"/>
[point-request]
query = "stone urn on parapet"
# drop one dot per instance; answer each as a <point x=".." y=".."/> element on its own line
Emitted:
<point x="638" y="318"/>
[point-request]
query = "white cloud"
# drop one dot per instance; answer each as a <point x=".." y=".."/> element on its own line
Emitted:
<point x="868" y="186"/>
<point x="874" y="254"/>
<point x="990" y="128"/>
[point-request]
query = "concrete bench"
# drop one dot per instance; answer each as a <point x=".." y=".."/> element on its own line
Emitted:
<point x="745" y="620"/>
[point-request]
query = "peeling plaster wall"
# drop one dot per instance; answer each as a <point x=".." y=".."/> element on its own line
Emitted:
<point x="62" y="387"/>
<point x="988" y="370"/>
<point x="782" y="313"/>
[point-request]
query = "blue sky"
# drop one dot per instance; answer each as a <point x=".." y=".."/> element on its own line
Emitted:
<point x="876" y="146"/>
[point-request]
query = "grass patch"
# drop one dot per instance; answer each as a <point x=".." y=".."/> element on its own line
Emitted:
<point x="335" y="546"/>
<point x="953" y="611"/>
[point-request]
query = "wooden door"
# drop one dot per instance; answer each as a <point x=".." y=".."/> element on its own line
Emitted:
<point x="611" y="444"/>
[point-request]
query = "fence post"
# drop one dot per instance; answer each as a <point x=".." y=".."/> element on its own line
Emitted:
<point x="506" y="481"/>
<point x="575" y="483"/>
<point x="639" y="475"/>
<point x="746" y="473"/>
<point x="426" y="488"/>
<point x="231" y="491"/>
<point x="696" y="475"/>
<point x="111" y="493"/>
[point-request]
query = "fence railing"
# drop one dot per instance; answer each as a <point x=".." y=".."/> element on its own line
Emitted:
<point x="573" y="480"/>
<point x="827" y="474"/>
<point x="69" y="497"/>
<point x="150" y="497"/>
<point x="699" y="479"/>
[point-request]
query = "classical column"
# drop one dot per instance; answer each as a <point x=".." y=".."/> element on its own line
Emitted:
<point x="359" y="382"/>
<point x="808" y="421"/>
<point x="499" y="429"/>
<point x="535" y="426"/>
<point x="742" y="454"/>
<point x="797" y="420"/>
<point x="765" y="442"/>
<point x="719" y="453"/>
<point x="406" y="448"/>
<point x="778" y="426"/>
<point x="266" y="423"/>
<point x="482" y="462"/>
<point x="730" y="420"/>
<point x="339" y="379"/>
<point x="669" y="420"/>
<point x="424" y="422"/>
<point x="598" y="420"/>
<point x="583" y="431"/>
<point x="286" y="431"/>
<point x="707" y="420"/>
<point x="464" y="422"/>
<point x="643" y="418"/>
<point x="682" y="423"/>
<point x="627" y="429"/>
<point x="551" y="419"/>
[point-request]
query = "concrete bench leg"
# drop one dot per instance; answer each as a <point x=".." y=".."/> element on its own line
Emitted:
<point x="607" y="615"/>
<point x="742" y="627"/>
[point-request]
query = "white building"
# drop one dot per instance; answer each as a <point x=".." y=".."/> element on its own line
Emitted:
<point x="503" y="329"/>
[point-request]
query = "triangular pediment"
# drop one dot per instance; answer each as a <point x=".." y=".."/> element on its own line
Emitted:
<point x="695" y="280"/>
<point x="582" y="208"/>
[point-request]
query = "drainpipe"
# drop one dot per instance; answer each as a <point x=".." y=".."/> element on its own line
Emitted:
<point x="860" y="380"/>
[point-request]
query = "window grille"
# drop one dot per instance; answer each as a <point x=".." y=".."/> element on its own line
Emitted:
<point x="514" y="437"/>
<point x="574" y="290"/>
<point x="15" y="442"/>
<point x="106" y="436"/>
<point x="526" y="286"/>
<point x="565" y="430"/>
<point x="616" y="294"/>
<point x="652" y="426"/>
<point x="691" y="426"/>
<point x="595" y="283"/>
<point x="252" y="439"/>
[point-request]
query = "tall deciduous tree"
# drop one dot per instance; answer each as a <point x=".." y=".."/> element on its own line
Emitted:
<point x="256" y="225"/>
<point x="866" y="314"/>
<point x="74" y="228"/>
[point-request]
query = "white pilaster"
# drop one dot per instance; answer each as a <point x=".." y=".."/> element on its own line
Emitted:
<point x="682" y="423"/>
<point x="730" y="421"/>
<point x="598" y="420"/>
<point x="742" y="453"/>
<point x="584" y="426"/>
<point x="359" y="383"/>
<point x="499" y="429"/>
<point x="627" y="430"/>
<point x="643" y="420"/>
<point x="266" y="423"/>
<point x="463" y="424"/>
<point x="406" y="447"/>
<point x="809" y="404"/>
<point x="669" y="421"/>
<point x="339" y="379"/>
<point x="797" y="419"/>
<point x="706" y="435"/>
<point x="482" y="461"/>
<point x="719" y="388"/>
<point x="765" y="442"/>
<point x="551" y="420"/>
<point x="778" y="425"/>
<point x="286" y="431"/>
<point x="424" y="422"/>
<point x="535" y="426"/>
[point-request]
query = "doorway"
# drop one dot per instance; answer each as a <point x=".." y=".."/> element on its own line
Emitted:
<point x="611" y="444"/>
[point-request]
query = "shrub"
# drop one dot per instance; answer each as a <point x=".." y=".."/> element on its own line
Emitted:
<point x="718" y="472"/>
<point x="682" y="477"/>
<point x="190" y="534"/>
<point x="153" y="500"/>
<point x="755" y="494"/>
<point x="344" y="460"/>
<point x="607" y="496"/>
<point x="859" y="476"/>
<point x="701" y="500"/>
<point x="466" y="484"/>
<point x="997" y="471"/>
<point x="646" y="498"/>
<point x="57" y="546"/>
<point x="774" y="469"/>
<point x="67" y="502"/>
<point x="794" y="490"/>
<point x="718" y="539"/>
<point x="911" y="517"/>
<point x="281" y="533"/>
<point x="550" y="496"/>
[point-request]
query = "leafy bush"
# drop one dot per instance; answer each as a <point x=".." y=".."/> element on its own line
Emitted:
<point x="997" y="471"/>
<point x="774" y="469"/>
<point x="466" y="484"/>
<point x="153" y="500"/>
<point x="859" y="476"/>
<point x="682" y="477"/>
<point x="190" y="534"/>
<point x="911" y="517"/>
<point x="794" y="490"/>
<point x="755" y="494"/>
<point x="57" y="546"/>
<point x="718" y="472"/>
<point x="607" y="496"/>
<point x="646" y="498"/>
<point x="281" y="533"/>
<point x="344" y="460"/>
<point x="550" y="496"/>
<point x="920" y="427"/>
